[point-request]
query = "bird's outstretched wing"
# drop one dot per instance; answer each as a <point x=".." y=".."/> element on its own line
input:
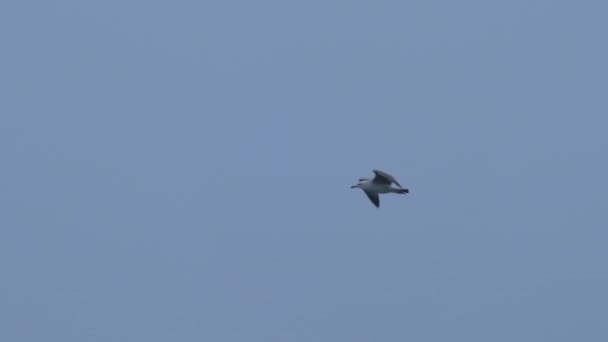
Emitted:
<point x="385" y="178"/>
<point x="374" y="198"/>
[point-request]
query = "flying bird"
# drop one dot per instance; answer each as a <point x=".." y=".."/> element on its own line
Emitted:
<point x="380" y="184"/>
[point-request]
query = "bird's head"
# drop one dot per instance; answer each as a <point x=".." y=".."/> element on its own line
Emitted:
<point x="358" y="185"/>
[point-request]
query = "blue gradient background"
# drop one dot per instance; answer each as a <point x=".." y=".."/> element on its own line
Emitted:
<point x="180" y="171"/>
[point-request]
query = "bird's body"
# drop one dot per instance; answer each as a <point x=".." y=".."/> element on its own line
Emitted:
<point x="371" y="186"/>
<point x="381" y="184"/>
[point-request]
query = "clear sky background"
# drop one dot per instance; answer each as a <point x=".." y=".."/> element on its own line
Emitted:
<point x="181" y="171"/>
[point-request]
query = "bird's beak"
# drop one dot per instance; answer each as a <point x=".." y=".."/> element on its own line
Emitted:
<point x="354" y="186"/>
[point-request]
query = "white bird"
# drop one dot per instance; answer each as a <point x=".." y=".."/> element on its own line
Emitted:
<point x="381" y="184"/>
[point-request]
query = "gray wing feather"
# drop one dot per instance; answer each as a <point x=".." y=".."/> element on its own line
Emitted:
<point x="385" y="178"/>
<point x="374" y="198"/>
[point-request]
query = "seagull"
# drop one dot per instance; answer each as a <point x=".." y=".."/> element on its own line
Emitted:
<point x="380" y="184"/>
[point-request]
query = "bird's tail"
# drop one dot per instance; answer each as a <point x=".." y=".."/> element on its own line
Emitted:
<point x="401" y="191"/>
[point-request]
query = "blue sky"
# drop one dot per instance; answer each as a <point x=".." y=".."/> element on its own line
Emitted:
<point x="182" y="171"/>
